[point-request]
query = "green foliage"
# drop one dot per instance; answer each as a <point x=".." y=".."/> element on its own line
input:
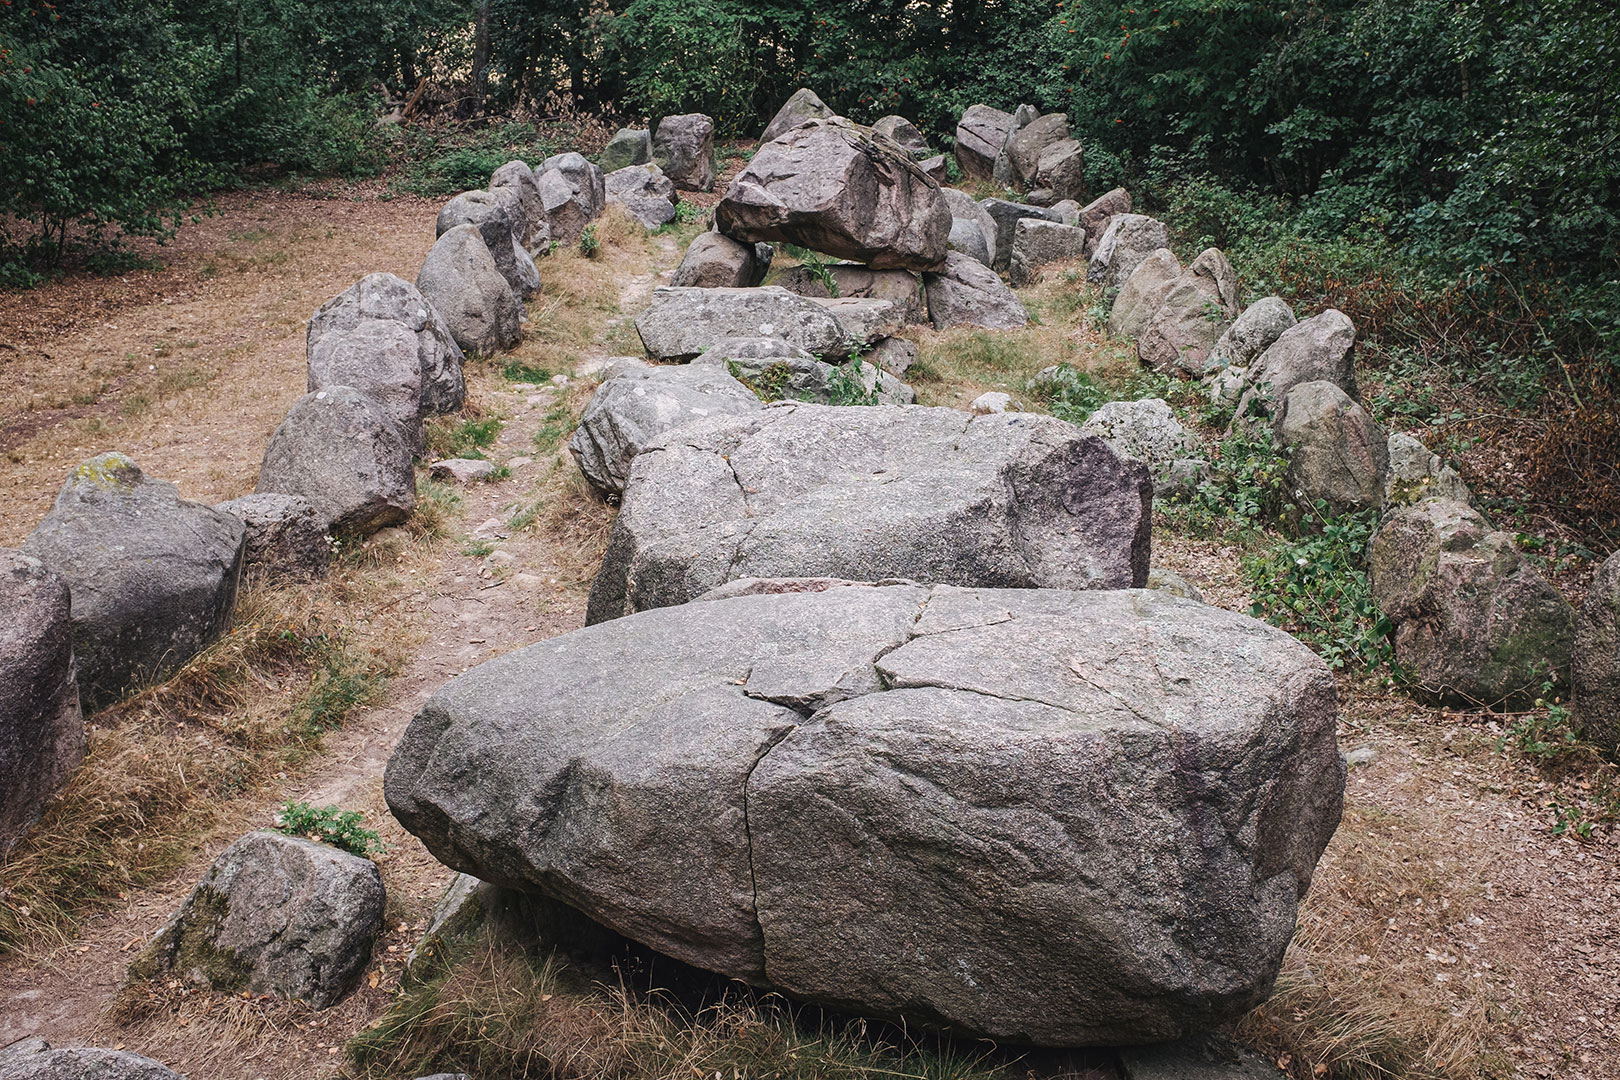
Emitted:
<point x="1074" y="395"/>
<point x="817" y="265"/>
<point x="518" y="371"/>
<point x="329" y="825"/>
<point x="1586" y="793"/>
<point x="448" y="438"/>
<point x="589" y="245"/>
<point x="341" y="682"/>
<point x="847" y="386"/>
<point x="769" y="385"/>
<point x="462" y="158"/>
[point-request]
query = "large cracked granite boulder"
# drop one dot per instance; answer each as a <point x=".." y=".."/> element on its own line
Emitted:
<point x="1128" y="239"/>
<point x="644" y="192"/>
<point x="1041" y="816"/>
<point x="274" y="914"/>
<point x="777" y="371"/>
<point x="516" y="187"/>
<point x="1474" y="622"/>
<point x="1012" y="500"/>
<point x="683" y="322"/>
<point x="379" y="358"/>
<point x="1142" y="294"/>
<point x="1321" y="348"/>
<point x="42" y="736"/>
<point x="637" y="405"/>
<point x="460" y="279"/>
<point x="1596" y="668"/>
<point x="1061" y="169"/>
<point x="852" y="281"/>
<point x="1195" y="312"/>
<point x="1006" y="215"/>
<point x="980" y="135"/>
<point x="713" y="261"/>
<point x="1251" y="334"/>
<point x="36" y="1059"/>
<point x="503" y="235"/>
<point x="153" y="577"/>
<point x="969" y="293"/>
<point x="286" y="537"/>
<point x="384" y="297"/>
<point x="1336" y="454"/>
<point x="1026" y="145"/>
<point x="1037" y="243"/>
<point x="833" y="187"/>
<point x="339" y="449"/>
<point x="803" y="105"/>
<point x="683" y="146"/>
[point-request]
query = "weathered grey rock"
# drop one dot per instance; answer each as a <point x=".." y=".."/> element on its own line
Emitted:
<point x="713" y="261"/>
<point x="391" y="299"/>
<point x="683" y="146"/>
<point x="803" y="105"/>
<point x="1095" y="215"/>
<point x="1015" y="500"/>
<point x="41" y="728"/>
<point x="1416" y="473"/>
<point x="463" y="470"/>
<point x="519" y="191"/>
<point x="953" y="807"/>
<point x="894" y="355"/>
<point x="1145" y="431"/>
<point x="992" y="401"/>
<point x="1255" y="331"/>
<point x="1042" y="197"/>
<point x="1128" y="239"/>
<point x="286" y="537"/>
<point x="1226" y="385"/>
<point x="967" y="238"/>
<point x="683" y="322"/>
<point x="776" y="370"/>
<point x="1142" y="294"/>
<point x="629" y="146"/>
<point x="1596" y="668"/>
<point x="1473" y="621"/>
<point x="338" y="449"/>
<point x="1195" y="313"/>
<point x="935" y="169"/>
<point x="1336" y="454"/>
<point x="1213" y="1057"/>
<point x="645" y="193"/>
<point x="905" y="134"/>
<point x="274" y="915"/>
<point x="968" y="293"/>
<point x="980" y="135"/>
<point x="1061" y="169"/>
<point x="853" y="281"/>
<point x="485" y="212"/>
<point x="574" y="193"/>
<point x="379" y="358"/>
<point x="1026" y="145"/>
<point x="1040" y="243"/>
<point x="965" y="207"/>
<point x="460" y="279"/>
<point x="587" y="181"/>
<point x="153" y="577"/>
<point x="1319" y="349"/>
<point x="631" y="409"/>
<point x="830" y="186"/>
<point x="35" y="1059"/>
<point x="1173" y="583"/>
<point x="1006" y="216"/>
<point x="865" y="319"/>
<point x="1069" y="211"/>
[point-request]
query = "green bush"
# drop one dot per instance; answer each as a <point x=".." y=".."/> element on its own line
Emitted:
<point x="328" y="825"/>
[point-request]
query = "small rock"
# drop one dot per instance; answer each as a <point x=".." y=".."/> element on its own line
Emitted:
<point x="968" y="293"/>
<point x="713" y="261"/>
<point x="1416" y="473"/>
<point x="34" y="1059"/>
<point x="1173" y="583"/>
<point x="286" y="536"/>
<point x="1361" y="756"/>
<point x="992" y="402"/>
<point x="462" y="470"/>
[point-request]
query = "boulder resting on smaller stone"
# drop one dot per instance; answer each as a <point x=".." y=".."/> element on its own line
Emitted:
<point x="339" y="449"/>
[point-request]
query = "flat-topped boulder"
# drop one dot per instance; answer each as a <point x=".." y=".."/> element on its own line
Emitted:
<point x="41" y="728"/>
<point x="1006" y="215"/>
<point x="1043" y="816"/>
<point x="386" y="298"/>
<point x="1015" y="500"/>
<point x="778" y="371"/>
<point x="833" y="187"/>
<point x="683" y="322"/>
<point x="153" y="577"/>
<point x="339" y="449"/>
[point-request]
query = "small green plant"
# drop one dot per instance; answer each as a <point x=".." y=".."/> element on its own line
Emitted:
<point x="518" y="371"/>
<point x="467" y="439"/>
<point x="329" y="825"/>
<point x="477" y="549"/>
<point x="768" y="385"/>
<point x="554" y="427"/>
<point x="589" y="244"/>
<point x="687" y="213"/>
<point x="1587" y="786"/>
<point x="819" y="269"/>
<point x="847" y="386"/>
<point x="343" y="680"/>
<point x="1074" y="395"/>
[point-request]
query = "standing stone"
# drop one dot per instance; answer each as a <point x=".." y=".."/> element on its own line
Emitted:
<point x="1336" y="453"/>
<point x="274" y="915"/>
<point x="894" y="355"/>
<point x="392" y="299"/>
<point x="574" y="194"/>
<point x="584" y="179"/>
<point x="502" y="236"/>
<point x="41" y="728"/>
<point x="1012" y="500"/>
<point x="629" y="146"/>
<point x="1039" y="243"/>
<point x="1142" y="294"/>
<point x="683" y="322"/>
<point x="35" y="1059"/>
<point x="715" y="261"/>
<point x="1597" y="659"/>
<point x="1474" y="622"/>
<point x="905" y="135"/>
<point x="153" y="577"/>
<point x="902" y="288"/>
<point x="1026" y="145"/>
<point x="519" y="191"/>
<point x="644" y="192"/>
<point x="1061" y="169"/>
<point x="1128" y="240"/>
<point x="965" y="207"/>
<point x="803" y="105"/>
<point x="1195" y="313"/>
<point x="1095" y="215"/>
<point x="286" y="537"/>
<point x="968" y="238"/>
<point x="460" y="279"/>
<point x="980" y="136"/>
<point x="338" y="449"/>
<point x="1006" y="216"/>
<point x="1417" y="473"/>
<point x="683" y="146"/>
<point x="1255" y="331"/>
<point x="1320" y="348"/>
<point x="828" y="185"/>
<point x="636" y="406"/>
<point x="968" y="293"/>
<point x="1145" y="431"/>
<point x="380" y="359"/>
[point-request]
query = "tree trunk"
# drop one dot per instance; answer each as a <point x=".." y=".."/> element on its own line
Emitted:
<point x="480" y="72"/>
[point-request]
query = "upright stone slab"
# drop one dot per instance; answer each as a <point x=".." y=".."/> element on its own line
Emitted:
<point x="683" y="146"/>
<point x="379" y="358"/>
<point x="1143" y="293"/>
<point x="1012" y="500"/>
<point x="965" y="209"/>
<point x="517" y="188"/>
<point x="460" y="279"/>
<point x="502" y="234"/>
<point x="1006" y="216"/>
<point x="713" y="261"/>
<point x="388" y="298"/>
<point x="629" y="146"/>
<point x="41" y="728"/>
<point x="801" y="106"/>
<point x="1128" y="239"/>
<point x="980" y="135"/>
<point x="1095" y="215"/>
<point x="1039" y="243"/>
<point x="1042" y="816"/>
<point x="339" y="449"/>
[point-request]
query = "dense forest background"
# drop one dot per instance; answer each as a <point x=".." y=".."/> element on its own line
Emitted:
<point x="1448" y="171"/>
